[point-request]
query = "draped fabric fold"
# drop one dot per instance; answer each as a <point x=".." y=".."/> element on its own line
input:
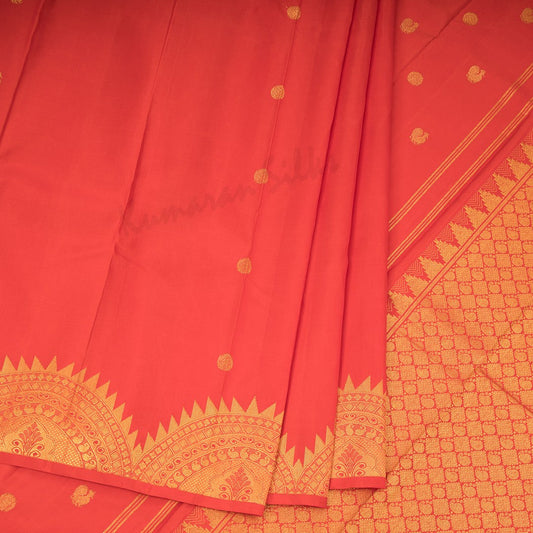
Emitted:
<point x="257" y="261"/>
<point x="196" y="268"/>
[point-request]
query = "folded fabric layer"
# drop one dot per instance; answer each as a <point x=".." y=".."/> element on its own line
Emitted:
<point x="159" y="254"/>
<point x="311" y="435"/>
<point x="359" y="459"/>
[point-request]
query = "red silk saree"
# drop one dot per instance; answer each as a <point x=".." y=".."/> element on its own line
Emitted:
<point x="204" y="207"/>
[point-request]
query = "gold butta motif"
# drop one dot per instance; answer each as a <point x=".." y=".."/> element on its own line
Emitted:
<point x="475" y="74"/>
<point x="470" y="18"/>
<point x="294" y="12"/>
<point x="277" y="92"/>
<point x="225" y="362"/>
<point x="82" y="495"/>
<point x="244" y="265"/>
<point x="415" y="78"/>
<point x="527" y="15"/>
<point x="408" y="25"/>
<point x="7" y="502"/>
<point x="419" y="136"/>
<point x="261" y="176"/>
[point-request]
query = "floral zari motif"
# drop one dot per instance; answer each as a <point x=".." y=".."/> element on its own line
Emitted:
<point x="359" y="432"/>
<point x="82" y="495"/>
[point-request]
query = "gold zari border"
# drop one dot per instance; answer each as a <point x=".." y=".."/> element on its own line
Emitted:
<point x="225" y="452"/>
<point x="359" y="432"/>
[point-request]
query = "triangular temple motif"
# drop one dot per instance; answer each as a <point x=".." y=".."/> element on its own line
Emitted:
<point x="359" y="434"/>
<point x="463" y="227"/>
<point x="309" y="476"/>
<point x="75" y="422"/>
<point x="79" y="423"/>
